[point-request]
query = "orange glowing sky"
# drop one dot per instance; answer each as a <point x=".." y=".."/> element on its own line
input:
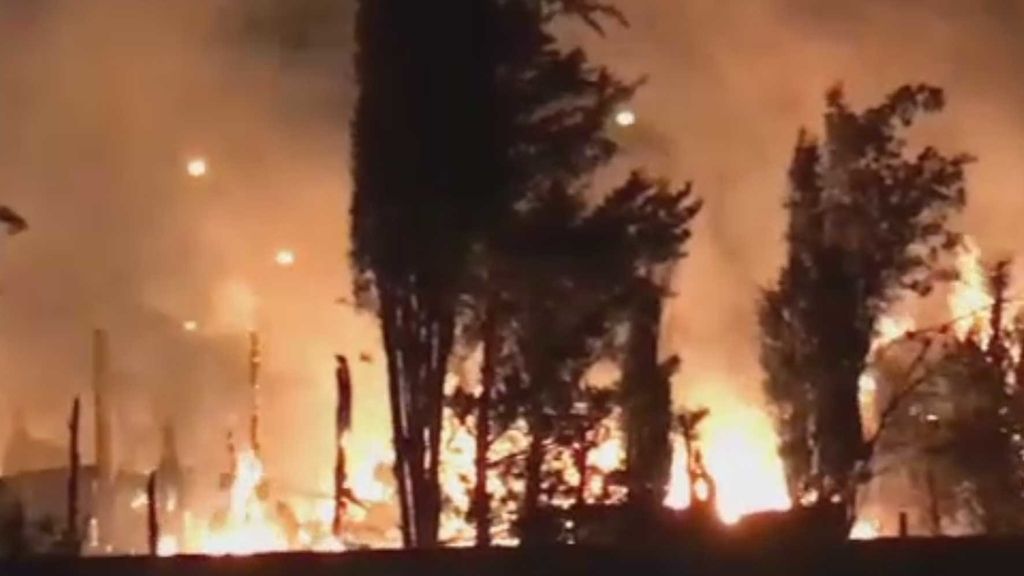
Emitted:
<point x="103" y="103"/>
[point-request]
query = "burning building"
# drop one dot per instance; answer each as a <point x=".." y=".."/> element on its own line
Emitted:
<point x="111" y="516"/>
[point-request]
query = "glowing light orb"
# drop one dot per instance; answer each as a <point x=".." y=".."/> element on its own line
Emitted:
<point x="196" y="167"/>
<point x="625" y="118"/>
<point x="190" y="326"/>
<point x="284" y="258"/>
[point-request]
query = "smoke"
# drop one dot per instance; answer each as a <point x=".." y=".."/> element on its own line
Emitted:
<point x="103" y="102"/>
<point x="729" y="85"/>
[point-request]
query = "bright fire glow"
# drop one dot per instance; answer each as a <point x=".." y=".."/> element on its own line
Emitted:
<point x="865" y="529"/>
<point x="248" y="526"/>
<point x="970" y="300"/>
<point x="190" y="326"/>
<point x="167" y="546"/>
<point x="741" y="453"/>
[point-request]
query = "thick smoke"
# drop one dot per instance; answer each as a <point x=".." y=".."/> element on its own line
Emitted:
<point x="102" y="102"/>
<point x="730" y="83"/>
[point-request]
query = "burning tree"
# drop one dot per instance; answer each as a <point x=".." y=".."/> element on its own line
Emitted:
<point x="473" y="155"/>
<point x="581" y="272"/>
<point x="867" y="221"/>
<point x="552" y="111"/>
<point x="971" y="407"/>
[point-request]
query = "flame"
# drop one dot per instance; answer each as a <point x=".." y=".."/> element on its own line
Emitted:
<point x="866" y="529"/>
<point x="247" y="527"/>
<point x="249" y="524"/>
<point x="741" y="453"/>
<point x="888" y="329"/>
<point x="970" y="300"/>
<point x="167" y="546"/>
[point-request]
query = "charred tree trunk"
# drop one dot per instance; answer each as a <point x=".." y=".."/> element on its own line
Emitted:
<point x="71" y="535"/>
<point x="530" y="513"/>
<point x="481" y="505"/>
<point x="342" y="424"/>
<point x="647" y="404"/>
<point x="843" y="325"/>
<point x="152" y="517"/>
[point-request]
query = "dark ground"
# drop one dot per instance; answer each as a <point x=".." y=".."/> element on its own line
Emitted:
<point x="899" y="557"/>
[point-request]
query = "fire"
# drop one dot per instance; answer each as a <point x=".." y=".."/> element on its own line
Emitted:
<point x="970" y="299"/>
<point x="866" y="529"/>
<point x="167" y="546"/>
<point x="247" y="527"/>
<point x="740" y="449"/>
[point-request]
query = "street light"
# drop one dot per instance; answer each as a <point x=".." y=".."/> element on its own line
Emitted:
<point x="197" y="167"/>
<point x="285" y="258"/>
<point x="625" y="118"/>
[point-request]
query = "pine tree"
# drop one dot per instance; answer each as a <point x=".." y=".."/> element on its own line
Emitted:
<point x="867" y="221"/>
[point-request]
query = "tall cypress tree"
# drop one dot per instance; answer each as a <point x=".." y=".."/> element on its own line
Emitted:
<point x="867" y="220"/>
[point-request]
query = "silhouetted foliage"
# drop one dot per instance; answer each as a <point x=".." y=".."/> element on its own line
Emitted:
<point x="13" y="221"/>
<point x="867" y="220"/>
<point x="424" y="171"/>
<point x="473" y="161"/>
<point x="581" y="271"/>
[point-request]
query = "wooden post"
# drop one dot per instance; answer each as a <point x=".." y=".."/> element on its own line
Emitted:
<point x="904" y="525"/>
<point x="75" y="461"/>
<point x="152" y="519"/>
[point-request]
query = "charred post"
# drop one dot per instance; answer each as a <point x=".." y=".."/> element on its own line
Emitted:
<point x="152" y="519"/>
<point x="72" y="537"/>
<point x="343" y="422"/>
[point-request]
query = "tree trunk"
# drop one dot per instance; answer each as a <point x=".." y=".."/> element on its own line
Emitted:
<point x="481" y="505"/>
<point x="647" y="405"/>
<point x="534" y="468"/>
<point x="418" y="336"/>
<point x="399" y="414"/>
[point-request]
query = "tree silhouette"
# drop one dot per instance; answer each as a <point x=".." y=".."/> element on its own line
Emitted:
<point x="580" y="272"/>
<point x="12" y="220"/>
<point x="867" y="220"/>
<point x="424" y="169"/>
<point x="473" y="160"/>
